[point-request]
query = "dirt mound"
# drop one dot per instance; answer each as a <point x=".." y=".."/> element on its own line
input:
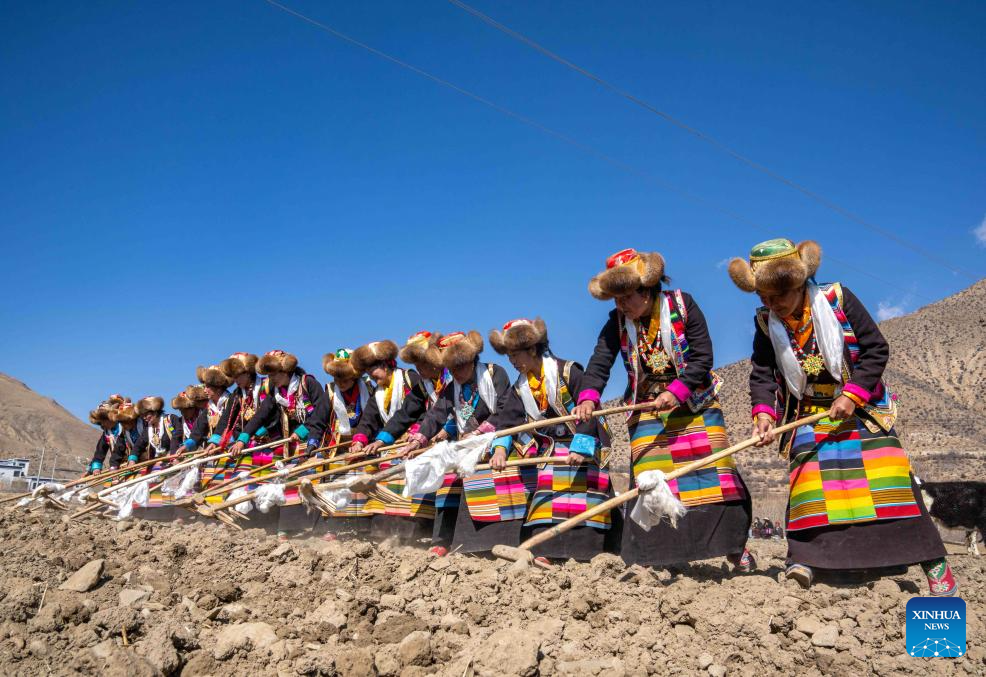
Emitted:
<point x="198" y="599"/>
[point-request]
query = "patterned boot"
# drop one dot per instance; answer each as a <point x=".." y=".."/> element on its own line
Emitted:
<point x="940" y="579"/>
<point x="800" y="573"/>
<point x="743" y="563"/>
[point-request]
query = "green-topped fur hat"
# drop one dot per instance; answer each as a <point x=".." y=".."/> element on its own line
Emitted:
<point x="776" y="266"/>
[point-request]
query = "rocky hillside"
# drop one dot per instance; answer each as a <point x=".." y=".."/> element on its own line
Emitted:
<point x="30" y="422"/>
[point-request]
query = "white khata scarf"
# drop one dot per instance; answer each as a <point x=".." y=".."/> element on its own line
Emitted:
<point x="664" y="336"/>
<point x="186" y="429"/>
<point x="487" y="393"/>
<point x="216" y="408"/>
<point x="339" y="405"/>
<point x="550" y="386"/>
<point x="157" y="438"/>
<point x="828" y="335"/>
<point x="396" y="397"/>
<point x="293" y="385"/>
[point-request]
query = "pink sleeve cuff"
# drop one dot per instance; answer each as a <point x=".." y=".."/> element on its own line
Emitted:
<point x="861" y="393"/>
<point x="679" y="390"/>
<point x="589" y="395"/>
<point x="419" y="438"/>
<point x="361" y="438"/>
<point x="414" y="428"/>
<point x="764" y="409"/>
<point x="486" y="427"/>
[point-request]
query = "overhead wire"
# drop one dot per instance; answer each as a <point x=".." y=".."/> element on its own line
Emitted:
<point x="585" y="148"/>
<point x="712" y="141"/>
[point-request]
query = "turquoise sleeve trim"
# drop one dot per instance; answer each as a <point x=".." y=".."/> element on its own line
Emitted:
<point x="189" y="443"/>
<point x="385" y="437"/>
<point x="583" y="445"/>
<point x="215" y="439"/>
<point x="451" y="428"/>
<point x="133" y="458"/>
<point x="302" y="432"/>
<point x="244" y="438"/>
<point x="261" y="431"/>
<point x="502" y="442"/>
<point x="95" y="465"/>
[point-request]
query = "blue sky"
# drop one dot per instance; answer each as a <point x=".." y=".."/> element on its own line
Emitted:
<point x="183" y="180"/>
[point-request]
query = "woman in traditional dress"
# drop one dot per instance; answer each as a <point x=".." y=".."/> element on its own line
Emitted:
<point x="664" y="343"/>
<point x="161" y="437"/>
<point x="477" y="392"/>
<point x="250" y="391"/>
<point x="108" y="432"/>
<point x="399" y="398"/>
<point x="296" y="394"/>
<point x="333" y="423"/>
<point x="853" y="501"/>
<point x="545" y="388"/>
<point x="192" y="404"/>
<point x="126" y="451"/>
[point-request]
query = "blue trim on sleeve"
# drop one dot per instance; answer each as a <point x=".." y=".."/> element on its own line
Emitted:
<point x="451" y="428"/>
<point x="385" y="437"/>
<point x="133" y="458"/>
<point x="583" y="445"/>
<point x="95" y="465"/>
<point x="302" y="432"/>
<point x="244" y="438"/>
<point x="215" y="439"/>
<point x="503" y="442"/>
<point x="189" y="443"/>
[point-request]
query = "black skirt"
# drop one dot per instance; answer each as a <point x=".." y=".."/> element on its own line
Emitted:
<point x="581" y="543"/>
<point x="406" y="529"/>
<point x="342" y="526"/>
<point x="295" y="518"/>
<point x="870" y="545"/>
<point x="443" y="531"/>
<point x="473" y="536"/>
<point x="706" y="531"/>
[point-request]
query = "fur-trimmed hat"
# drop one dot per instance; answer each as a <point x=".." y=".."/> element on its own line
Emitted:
<point x="422" y="348"/>
<point x="340" y="364"/>
<point x="190" y="397"/>
<point x="100" y="413"/>
<point x="213" y="376"/>
<point x="626" y="271"/>
<point x="459" y="348"/>
<point x="239" y="363"/>
<point x="148" y="404"/>
<point x="366" y="356"/>
<point x="124" y="413"/>
<point x="518" y="335"/>
<point x="277" y="360"/>
<point x="776" y="266"/>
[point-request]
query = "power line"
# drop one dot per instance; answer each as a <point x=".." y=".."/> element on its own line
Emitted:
<point x="821" y="199"/>
<point x="585" y="148"/>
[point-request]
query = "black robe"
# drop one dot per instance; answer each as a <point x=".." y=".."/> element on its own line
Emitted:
<point x="268" y="415"/>
<point x="371" y="423"/>
<point x="169" y="442"/>
<point x="434" y="420"/>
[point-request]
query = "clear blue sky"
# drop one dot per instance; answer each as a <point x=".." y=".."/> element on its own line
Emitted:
<point x="182" y="180"/>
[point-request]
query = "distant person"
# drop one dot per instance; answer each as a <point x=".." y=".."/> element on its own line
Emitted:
<point x="661" y="338"/>
<point x="816" y="349"/>
<point x="109" y="430"/>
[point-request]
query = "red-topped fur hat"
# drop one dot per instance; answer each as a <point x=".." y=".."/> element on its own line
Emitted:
<point x="239" y="363"/>
<point x="190" y="397"/>
<point x="422" y="348"/>
<point x="366" y="356"/>
<point x="124" y="413"/>
<point x="626" y="271"/>
<point x="277" y="360"/>
<point x="519" y="335"/>
<point x="459" y="348"/>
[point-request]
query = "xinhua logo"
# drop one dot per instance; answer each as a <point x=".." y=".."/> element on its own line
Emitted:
<point x="936" y="627"/>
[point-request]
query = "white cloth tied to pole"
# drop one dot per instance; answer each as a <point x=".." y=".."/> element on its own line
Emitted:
<point x="426" y="473"/>
<point x="126" y="498"/>
<point x="41" y="493"/>
<point x="269" y="496"/>
<point x="338" y="499"/>
<point x="828" y="335"/>
<point x="82" y="496"/>
<point x="245" y="507"/>
<point x="181" y="484"/>
<point x="655" y="501"/>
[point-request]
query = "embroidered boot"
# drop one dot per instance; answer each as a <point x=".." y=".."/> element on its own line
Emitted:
<point x="800" y="573"/>
<point x="743" y="563"/>
<point x="941" y="582"/>
<point x="438" y="550"/>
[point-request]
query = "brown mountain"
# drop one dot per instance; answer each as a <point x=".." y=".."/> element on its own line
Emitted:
<point x="30" y="422"/>
<point x="938" y="369"/>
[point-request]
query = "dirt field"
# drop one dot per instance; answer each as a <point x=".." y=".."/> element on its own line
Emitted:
<point x="198" y="599"/>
